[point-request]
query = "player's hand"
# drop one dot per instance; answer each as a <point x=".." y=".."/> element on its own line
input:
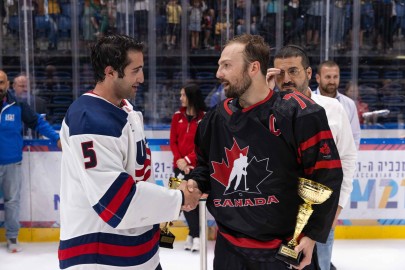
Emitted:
<point x="181" y="164"/>
<point x="188" y="169"/>
<point x="306" y="245"/>
<point x="271" y="77"/>
<point x="191" y="193"/>
<point x="335" y="221"/>
<point x="59" y="144"/>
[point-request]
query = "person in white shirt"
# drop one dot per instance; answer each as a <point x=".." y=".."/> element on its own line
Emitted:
<point x="328" y="78"/>
<point x="292" y="72"/>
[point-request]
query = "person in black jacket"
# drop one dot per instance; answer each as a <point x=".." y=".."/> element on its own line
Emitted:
<point x="251" y="151"/>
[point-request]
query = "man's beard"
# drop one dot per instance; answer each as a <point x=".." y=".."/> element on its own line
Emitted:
<point x="300" y="88"/>
<point x="237" y="90"/>
<point x="329" y="88"/>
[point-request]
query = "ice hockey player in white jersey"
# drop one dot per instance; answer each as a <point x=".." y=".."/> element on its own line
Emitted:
<point x="110" y="206"/>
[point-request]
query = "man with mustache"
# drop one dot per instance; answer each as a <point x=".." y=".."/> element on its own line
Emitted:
<point x="328" y="78"/>
<point x="292" y="71"/>
<point x="281" y="136"/>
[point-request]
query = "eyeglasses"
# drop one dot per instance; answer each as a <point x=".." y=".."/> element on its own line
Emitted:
<point x="292" y="72"/>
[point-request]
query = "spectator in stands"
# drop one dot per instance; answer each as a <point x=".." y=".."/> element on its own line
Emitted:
<point x="141" y="10"/>
<point x="122" y="7"/>
<point x="52" y="11"/>
<point x="182" y="132"/>
<point x="52" y="82"/>
<point x="352" y="91"/>
<point x="195" y="18"/>
<point x="240" y="18"/>
<point x="207" y="27"/>
<point x="293" y="22"/>
<point x="20" y="87"/>
<point x="13" y="114"/>
<point x="383" y="36"/>
<point x="313" y="23"/>
<point x="173" y="16"/>
<point x="99" y="17"/>
<point x="88" y="29"/>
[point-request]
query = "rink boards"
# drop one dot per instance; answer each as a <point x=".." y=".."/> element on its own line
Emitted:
<point x="376" y="208"/>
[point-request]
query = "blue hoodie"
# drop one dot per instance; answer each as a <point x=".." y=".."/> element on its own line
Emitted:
<point x="12" y="115"/>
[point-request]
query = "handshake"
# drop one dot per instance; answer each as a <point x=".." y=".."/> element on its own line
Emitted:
<point x="191" y="194"/>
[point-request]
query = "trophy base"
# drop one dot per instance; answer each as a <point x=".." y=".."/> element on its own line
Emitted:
<point x="166" y="239"/>
<point x="288" y="255"/>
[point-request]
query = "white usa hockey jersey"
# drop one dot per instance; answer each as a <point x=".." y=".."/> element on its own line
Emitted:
<point x="110" y="207"/>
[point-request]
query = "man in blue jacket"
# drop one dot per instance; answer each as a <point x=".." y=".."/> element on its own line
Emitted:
<point x="12" y="115"/>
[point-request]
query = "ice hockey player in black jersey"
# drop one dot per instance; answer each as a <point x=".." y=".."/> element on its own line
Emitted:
<point x="251" y="150"/>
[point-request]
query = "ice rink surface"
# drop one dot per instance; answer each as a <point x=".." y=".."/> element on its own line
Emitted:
<point x="347" y="255"/>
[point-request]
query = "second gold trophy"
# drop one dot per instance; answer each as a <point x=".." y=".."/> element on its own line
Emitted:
<point x="167" y="237"/>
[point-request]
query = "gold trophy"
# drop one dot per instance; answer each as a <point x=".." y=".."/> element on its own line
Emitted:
<point x="166" y="237"/>
<point x="312" y="193"/>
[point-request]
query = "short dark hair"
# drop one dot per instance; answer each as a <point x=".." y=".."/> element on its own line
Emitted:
<point x="194" y="97"/>
<point x="327" y="63"/>
<point x="256" y="49"/>
<point x="112" y="50"/>
<point x="293" y="51"/>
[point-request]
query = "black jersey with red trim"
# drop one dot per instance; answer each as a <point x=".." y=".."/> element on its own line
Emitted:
<point x="249" y="161"/>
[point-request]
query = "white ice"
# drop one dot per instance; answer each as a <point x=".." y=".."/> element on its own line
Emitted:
<point x="347" y="255"/>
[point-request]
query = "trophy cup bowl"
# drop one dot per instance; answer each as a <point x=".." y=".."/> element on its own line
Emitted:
<point x="312" y="193"/>
<point x="166" y="237"/>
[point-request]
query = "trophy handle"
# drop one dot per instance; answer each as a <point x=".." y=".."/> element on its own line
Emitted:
<point x="304" y="212"/>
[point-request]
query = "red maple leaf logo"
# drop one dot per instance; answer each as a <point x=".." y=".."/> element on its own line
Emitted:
<point x="222" y="170"/>
<point x="325" y="149"/>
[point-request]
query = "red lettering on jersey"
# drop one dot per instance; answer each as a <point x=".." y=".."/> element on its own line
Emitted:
<point x="245" y="202"/>
<point x="272" y="199"/>
<point x="217" y="202"/>
<point x="260" y="201"/>
<point x="238" y="202"/>
<point x="227" y="202"/>
<point x="297" y="98"/>
<point x="272" y="126"/>
<point x="248" y="202"/>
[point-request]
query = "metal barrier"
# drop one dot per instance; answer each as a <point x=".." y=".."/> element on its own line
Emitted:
<point x="203" y="234"/>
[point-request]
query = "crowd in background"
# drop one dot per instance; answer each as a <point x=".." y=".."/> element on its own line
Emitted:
<point x="208" y="21"/>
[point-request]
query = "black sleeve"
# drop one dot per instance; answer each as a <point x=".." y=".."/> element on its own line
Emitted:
<point x="202" y="140"/>
<point x="320" y="161"/>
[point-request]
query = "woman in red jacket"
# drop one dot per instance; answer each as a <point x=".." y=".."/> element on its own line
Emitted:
<point x="182" y="132"/>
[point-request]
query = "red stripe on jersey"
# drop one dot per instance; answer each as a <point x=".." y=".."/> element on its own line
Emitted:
<point x="116" y="202"/>
<point x="251" y="243"/>
<point x="227" y="109"/>
<point x="325" y="164"/>
<point x="109" y="249"/>
<point x="271" y="92"/>
<point x="322" y="135"/>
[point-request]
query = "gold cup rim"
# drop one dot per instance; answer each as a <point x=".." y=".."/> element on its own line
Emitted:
<point x="324" y="191"/>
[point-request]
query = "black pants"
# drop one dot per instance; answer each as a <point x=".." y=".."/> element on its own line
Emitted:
<point x="227" y="259"/>
<point x="192" y="217"/>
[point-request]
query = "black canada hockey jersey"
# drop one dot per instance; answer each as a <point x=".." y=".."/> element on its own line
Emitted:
<point x="249" y="161"/>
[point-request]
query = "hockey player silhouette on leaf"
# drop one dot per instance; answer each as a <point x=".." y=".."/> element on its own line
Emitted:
<point x="238" y="170"/>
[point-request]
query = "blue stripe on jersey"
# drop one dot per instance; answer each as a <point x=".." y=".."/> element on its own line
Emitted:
<point x="109" y="238"/>
<point x="74" y="245"/>
<point x="92" y="115"/>
<point x="111" y="195"/>
<point x="108" y="260"/>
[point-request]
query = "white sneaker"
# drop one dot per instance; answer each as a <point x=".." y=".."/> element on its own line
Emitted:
<point x="13" y="246"/>
<point x="196" y="244"/>
<point x="189" y="243"/>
